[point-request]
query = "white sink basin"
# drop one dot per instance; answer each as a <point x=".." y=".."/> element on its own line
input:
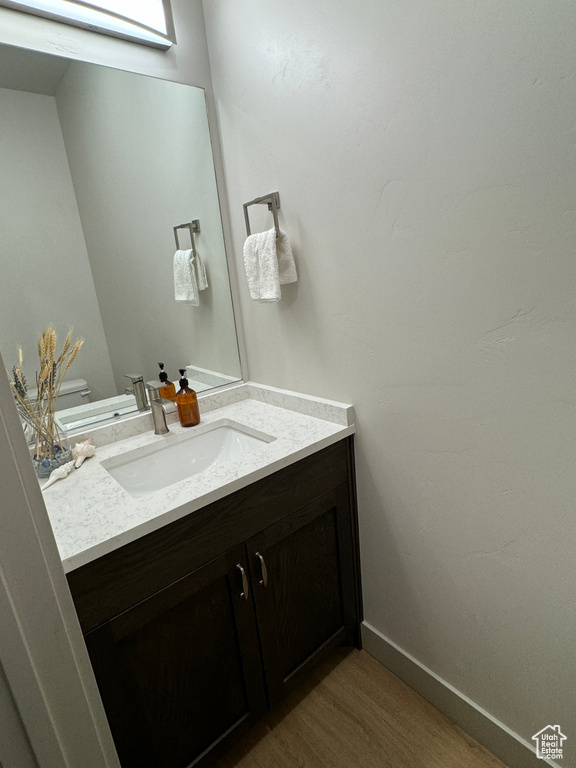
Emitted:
<point x="176" y="457"/>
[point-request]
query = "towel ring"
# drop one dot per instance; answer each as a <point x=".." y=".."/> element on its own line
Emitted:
<point x="194" y="227"/>
<point x="273" y="202"/>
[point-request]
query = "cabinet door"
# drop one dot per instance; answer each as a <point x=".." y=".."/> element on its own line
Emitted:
<point x="180" y="673"/>
<point x="303" y="585"/>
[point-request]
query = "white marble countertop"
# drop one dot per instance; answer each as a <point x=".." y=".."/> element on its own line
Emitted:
<point x="92" y="514"/>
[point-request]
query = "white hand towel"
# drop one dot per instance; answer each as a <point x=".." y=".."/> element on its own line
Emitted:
<point x="201" y="276"/>
<point x="286" y="264"/>
<point x="185" y="282"/>
<point x="269" y="263"/>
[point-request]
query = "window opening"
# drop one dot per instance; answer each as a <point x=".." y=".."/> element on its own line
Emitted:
<point x="142" y="21"/>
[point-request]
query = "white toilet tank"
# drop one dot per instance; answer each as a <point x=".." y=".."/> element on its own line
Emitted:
<point x="72" y="393"/>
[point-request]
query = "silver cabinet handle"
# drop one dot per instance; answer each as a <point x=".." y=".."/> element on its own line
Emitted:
<point x="246" y="592"/>
<point x="264" y="580"/>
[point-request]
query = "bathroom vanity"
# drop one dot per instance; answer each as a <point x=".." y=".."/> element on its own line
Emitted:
<point x="203" y="616"/>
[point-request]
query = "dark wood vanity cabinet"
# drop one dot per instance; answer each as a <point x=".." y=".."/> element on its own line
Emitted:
<point x="195" y="630"/>
<point x="180" y="670"/>
<point x="306" y="606"/>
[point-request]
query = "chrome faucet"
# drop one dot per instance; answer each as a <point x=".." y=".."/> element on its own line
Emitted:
<point x="138" y="390"/>
<point x="160" y="408"/>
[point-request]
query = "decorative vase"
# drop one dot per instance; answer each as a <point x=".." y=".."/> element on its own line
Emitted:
<point x="37" y="408"/>
<point x="45" y="464"/>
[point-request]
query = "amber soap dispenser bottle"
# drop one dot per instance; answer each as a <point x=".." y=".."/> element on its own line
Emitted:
<point x="187" y="403"/>
<point x="166" y="388"/>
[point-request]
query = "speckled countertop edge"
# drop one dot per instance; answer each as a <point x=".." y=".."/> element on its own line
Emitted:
<point x="91" y="514"/>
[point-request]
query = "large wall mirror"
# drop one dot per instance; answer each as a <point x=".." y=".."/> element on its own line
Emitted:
<point x="98" y="166"/>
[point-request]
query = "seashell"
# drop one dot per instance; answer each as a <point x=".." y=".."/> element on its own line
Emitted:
<point x="83" y="451"/>
<point x="59" y="474"/>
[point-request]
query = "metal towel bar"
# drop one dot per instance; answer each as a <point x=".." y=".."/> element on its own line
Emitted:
<point x="194" y="227"/>
<point x="272" y="201"/>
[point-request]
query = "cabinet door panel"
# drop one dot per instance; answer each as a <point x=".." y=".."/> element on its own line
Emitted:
<point x="180" y="671"/>
<point x="302" y="611"/>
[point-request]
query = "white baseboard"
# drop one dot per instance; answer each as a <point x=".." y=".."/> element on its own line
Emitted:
<point x="508" y="746"/>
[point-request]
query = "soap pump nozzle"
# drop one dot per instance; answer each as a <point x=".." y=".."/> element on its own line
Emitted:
<point x="167" y="388"/>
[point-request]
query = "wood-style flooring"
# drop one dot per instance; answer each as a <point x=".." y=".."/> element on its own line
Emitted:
<point x="355" y="713"/>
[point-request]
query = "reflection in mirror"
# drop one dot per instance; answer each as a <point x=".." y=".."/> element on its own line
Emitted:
<point x="98" y="166"/>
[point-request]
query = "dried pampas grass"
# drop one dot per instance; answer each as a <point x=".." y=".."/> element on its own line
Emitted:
<point x="39" y="413"/>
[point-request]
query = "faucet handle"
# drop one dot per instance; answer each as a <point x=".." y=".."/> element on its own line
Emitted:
<point x="153" y="388"/>
<point x="134" y="377"/>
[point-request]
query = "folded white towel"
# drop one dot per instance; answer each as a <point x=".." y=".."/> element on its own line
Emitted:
<point x="269" y="263"/>
<point x="201" y="276"/>
<point x="189" y="277"/>
<point x="286" y="264"/>
<point x="185" y="283"/>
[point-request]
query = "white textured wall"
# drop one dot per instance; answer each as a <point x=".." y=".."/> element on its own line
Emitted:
<point x="45" y="272"/>
<point x="424" y="155"/>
